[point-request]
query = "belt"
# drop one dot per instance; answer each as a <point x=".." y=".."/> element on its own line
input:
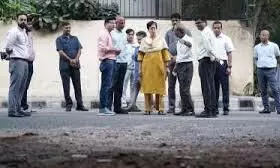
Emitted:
<point x="16" y="58"/>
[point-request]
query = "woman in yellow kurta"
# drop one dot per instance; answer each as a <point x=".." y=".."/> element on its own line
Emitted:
<point x="153" y="58"/>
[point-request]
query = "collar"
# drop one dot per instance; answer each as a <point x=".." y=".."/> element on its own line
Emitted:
<point x="262" y="44"/>
<point x="220" y="35"/>
<point x="64" y="36"/>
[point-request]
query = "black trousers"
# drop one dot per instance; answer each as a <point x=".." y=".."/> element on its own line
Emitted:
<point x="74" y="74"/>
<point x="24" y="104"/>
<point x="207" y="70"/>
<point x="115" y="93"/>
<point x="185" y="74"/>
<point x="171" y="87"/>
<point x="222" y="79"/>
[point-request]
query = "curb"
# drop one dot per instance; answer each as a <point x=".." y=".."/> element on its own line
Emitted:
<point x="236" y="104"/>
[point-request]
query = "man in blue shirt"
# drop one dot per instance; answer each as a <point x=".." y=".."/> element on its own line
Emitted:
<point x="69" y="49"/>
<point x="266" y="54"/>
<point x="136" y="83"/>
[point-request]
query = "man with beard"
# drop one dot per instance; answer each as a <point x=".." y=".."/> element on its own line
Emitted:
<point x="69" y="49"/>
<point x="17" y="42"/>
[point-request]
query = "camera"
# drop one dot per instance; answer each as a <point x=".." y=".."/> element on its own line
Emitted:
<point x="5" y="53"/>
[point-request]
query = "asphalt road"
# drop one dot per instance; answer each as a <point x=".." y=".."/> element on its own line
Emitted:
<point x="167" y="129"/>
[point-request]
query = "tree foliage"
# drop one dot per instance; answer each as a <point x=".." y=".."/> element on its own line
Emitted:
<point x="48" y="14"/>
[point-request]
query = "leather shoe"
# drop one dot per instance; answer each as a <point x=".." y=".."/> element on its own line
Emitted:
<point x="203" y="114"/>
<point x="121" y="112"/>
<point x="170" y="111"/>
<point x="68" y="109"/>
<point x="182" y="113"/>
<point x="82" y="108"/>
<point x="226" y="113"/>
<point x="16" y="115"/>
<point x="26" y="114"/>
<point x="265" y="112"/>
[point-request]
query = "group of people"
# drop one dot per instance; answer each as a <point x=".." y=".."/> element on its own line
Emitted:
<point x="155" y="59"/>
<point x="144" y="65"/>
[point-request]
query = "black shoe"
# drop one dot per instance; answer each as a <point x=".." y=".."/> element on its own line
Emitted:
<point x="226" y="112"/>
<point x="161" y="113"/>
<point x="81" y="108"/>
<point x="171" y="111"/>
<point x="121" y="112"/>
<point x="68" y="109"/>
<point x="135" y="109"/>
<point x="203" y="114"/>
<point x="217" y="112"/>
<point x="26" y="114"/>
<point x="182" y="113"/>
<point x="265" y="112"/>
<point x="16" y="115"/>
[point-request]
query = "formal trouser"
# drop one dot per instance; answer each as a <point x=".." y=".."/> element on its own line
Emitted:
<point x="267" y="76"/>
<point x="207" y="70"/>
<point x="185" y="75"/>
<point x="159" y="103"/>
<point x="171" y="86"/>
<point x="117" y="87"/>
<point x="222" y="79"/>
<point x="74" y="74"/>
<point x="18" y="76"/>
<point x="24" y="104"/>
<point x="128" y="79"/>
<point x="135" y="92"/>
<point x="106" y="69"/>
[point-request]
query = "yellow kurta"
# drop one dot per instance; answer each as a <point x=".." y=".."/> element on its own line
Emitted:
<point x="154" y="71"/>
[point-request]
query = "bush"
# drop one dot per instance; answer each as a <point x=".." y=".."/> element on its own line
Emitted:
<point x="48" y="14"/>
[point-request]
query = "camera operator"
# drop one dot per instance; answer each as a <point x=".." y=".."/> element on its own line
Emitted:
<point x="16" y="43"/>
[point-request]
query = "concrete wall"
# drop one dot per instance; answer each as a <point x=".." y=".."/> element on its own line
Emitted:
<point x="46" y="79"/>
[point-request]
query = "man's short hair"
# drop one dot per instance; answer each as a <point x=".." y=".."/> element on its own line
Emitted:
<point x="19" y="14"/>
<point x="180" y="27"/>
<point x="150" y="23"/>
<point x="202" y="18"/>
<point x="175" y="15"/>
<point x="141" y="33"/>
<point x="107" y="20"/>
<point x="129" y="31"/>
<point x="218" y="22"/>
<point x="65" y="24"/>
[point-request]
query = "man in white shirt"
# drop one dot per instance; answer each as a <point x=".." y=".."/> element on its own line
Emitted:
<point x="207" y="67"/>
<point x="266" y="54"/>
<point x="119" y="41"/>
<point x="17" y="41"/>
<point x="224" y="48"/>
<point x="184" y="69"/>
<point x="129" y="76"/>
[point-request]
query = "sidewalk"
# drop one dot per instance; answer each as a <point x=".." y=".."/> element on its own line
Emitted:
<point x="237" y="103"/>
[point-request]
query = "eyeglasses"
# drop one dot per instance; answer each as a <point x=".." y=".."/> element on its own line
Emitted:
<point x="23" y="19"/>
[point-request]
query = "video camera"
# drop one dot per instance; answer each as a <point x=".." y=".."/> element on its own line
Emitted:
<point x="5" y="53"/>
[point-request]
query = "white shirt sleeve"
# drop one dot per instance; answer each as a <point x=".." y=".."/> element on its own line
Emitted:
<point x="209" y="41"/>
<point x="10" y="40"/>
<point x="229" y="45"/>
<point x="255" y="52"/>
<point x="276" y="50"/>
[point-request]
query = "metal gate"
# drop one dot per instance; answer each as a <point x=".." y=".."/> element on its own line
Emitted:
<point x="212" y="9"/>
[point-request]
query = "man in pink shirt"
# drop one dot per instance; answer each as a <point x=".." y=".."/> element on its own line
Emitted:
<point x="107" y="56"/>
